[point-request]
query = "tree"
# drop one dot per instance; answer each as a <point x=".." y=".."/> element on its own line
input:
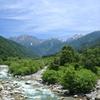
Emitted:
<point x="70" y="48"/>
<point x="54" y="65"/>
<point x="66" y="57"/>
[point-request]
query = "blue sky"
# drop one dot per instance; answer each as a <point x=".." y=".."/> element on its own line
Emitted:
<point x="49" y="18"/>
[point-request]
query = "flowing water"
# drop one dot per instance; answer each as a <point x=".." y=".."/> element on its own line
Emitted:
<point x="34" y="91"/>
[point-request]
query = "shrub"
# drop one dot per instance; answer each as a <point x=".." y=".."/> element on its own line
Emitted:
<point x="50" y="76"/>
<point x="80" y="81"/>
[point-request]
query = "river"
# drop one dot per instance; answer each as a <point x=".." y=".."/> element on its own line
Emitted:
<point x="33" y="91"/>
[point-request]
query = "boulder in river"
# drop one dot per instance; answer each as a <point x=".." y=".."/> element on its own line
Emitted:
<point x="28" y="82"/>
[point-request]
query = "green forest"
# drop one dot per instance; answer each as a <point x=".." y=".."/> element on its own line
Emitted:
<point x="76" y="71"/>
<point x="13" y="49"/>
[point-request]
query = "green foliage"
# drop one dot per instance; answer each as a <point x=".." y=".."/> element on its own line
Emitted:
<point x="51" y="76"/>
<point x="67" y="55"/>
<point x="66" y="78"/>
<point x="25" y="67"/>
<point x="54" y="65"/>
<point x="81" y="81"/>
<point x="97" y="71"/>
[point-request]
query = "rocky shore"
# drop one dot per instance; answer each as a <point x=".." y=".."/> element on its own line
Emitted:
<point x="7" y="91"/>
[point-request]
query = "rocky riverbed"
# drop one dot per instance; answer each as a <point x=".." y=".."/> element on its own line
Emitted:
<point x="12" y="88"/>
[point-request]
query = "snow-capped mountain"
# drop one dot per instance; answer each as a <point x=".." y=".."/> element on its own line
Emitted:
<point x="75" y="37"/>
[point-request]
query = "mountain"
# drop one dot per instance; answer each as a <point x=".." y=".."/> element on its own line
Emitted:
<point x="78" y="44"/>
<point x="10" y="48"/>
<point x="41" y="46"/>
<point x="75" y="37"/>
<point x="54" y="45"/>
<point x="27" y="40"/>
<point x="48" y="44"/>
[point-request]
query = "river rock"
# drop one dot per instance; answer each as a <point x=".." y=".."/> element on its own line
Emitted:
<point x="75" y="96"/>
<point x="1" y="87"/>
<point x="97" y="97"/>
<point x="66" y="91"/>
<point x="28" y="82"/>
<point x="62" y="98"/>
<point x="88" y="96"/>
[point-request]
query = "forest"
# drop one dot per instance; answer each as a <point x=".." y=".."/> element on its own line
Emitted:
<point x="76" y="71"/>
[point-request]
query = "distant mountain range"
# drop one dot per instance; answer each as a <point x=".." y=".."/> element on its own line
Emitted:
<point x="29" y="46"/>
<point x="41" y="46"/>
<point x="54" y="45"/>
<point x="13" y="49"/>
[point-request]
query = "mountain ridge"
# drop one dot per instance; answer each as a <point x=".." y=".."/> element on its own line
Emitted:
<point x="22" y="38"/>
<point x="77" y="44"/>
<point x="42" y="45"/>
<point x="54" y="45"/>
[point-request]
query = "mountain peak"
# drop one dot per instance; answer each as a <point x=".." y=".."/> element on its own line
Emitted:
<point x="75" y="37"/>
<point x="27" y="40"/>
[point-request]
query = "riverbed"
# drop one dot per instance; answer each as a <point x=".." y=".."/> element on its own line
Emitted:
<point x="32" y="91"/>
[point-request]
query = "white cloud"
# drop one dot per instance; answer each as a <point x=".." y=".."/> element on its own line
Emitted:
<point x="40" y="16"/>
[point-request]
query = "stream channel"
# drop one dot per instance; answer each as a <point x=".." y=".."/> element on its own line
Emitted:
<point x="34" y="91"/>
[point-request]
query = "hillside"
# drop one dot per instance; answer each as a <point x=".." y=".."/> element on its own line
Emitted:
<point x="95" y="44"/>
<point x="92" y="44"/>
<point x="10" y="48"/>
<point x="47" y="45"/>
<point x="78" y="44"/>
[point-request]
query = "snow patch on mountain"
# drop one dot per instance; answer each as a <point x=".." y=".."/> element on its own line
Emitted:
<point x="75" y="37"/>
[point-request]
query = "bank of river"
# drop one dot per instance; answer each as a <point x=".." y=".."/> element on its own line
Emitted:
<point x="22" y="89"/>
